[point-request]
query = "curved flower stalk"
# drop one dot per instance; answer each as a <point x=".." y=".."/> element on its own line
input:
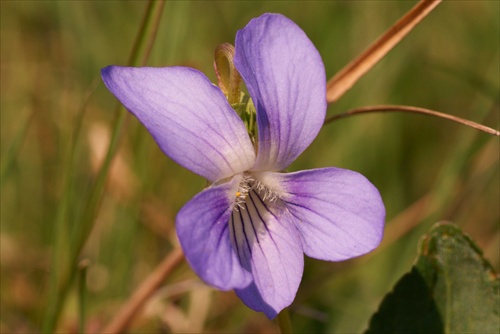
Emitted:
<point x="249" y="229"/>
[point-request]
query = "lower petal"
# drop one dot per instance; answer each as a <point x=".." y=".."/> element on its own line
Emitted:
<point x="338" y="212"/>
<point x="203" y="231"/>
<point x="252" y="298"/>
<point x="269" y="246"/>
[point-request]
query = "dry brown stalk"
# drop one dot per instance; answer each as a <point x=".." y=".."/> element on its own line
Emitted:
<point x="350" y="74"/>
<point x="132" y="307"/>
<point x="410" y="109"/>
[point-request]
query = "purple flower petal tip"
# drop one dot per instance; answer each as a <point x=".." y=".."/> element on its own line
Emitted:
<point x="285" y="75"/>
<point x="339" y="213"/>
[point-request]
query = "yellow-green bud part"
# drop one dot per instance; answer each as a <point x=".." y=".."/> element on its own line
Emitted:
<point x="246" y="110"/>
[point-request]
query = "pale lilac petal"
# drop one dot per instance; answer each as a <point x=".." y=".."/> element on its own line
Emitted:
<point x="286" y="79"/>
<point x="339" y="213"/>
<point x="188" y="116"/>
<point x="269" y="246"/>
<point x="203" y="231"/>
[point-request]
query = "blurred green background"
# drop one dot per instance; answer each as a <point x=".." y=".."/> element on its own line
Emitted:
<point x="55" y="130"/>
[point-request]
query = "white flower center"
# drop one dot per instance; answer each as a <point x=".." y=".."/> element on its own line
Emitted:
<point x="249" y="183"/>
<point x="257" y="206"/>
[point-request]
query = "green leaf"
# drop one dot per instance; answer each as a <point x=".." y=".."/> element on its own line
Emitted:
<point x="450" y="289"/>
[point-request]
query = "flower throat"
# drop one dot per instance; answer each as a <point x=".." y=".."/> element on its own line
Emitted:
<point x="250" y="185"/>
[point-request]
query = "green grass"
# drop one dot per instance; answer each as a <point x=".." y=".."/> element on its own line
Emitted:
<point x="55" y="129"/>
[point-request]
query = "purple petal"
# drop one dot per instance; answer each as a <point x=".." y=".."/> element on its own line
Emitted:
<point x="269" y="246"/>
<point x="203" y="231"/>
<point x="188" y="117"/>
<point x="285" y="76"/>
<point x="340" y="214"/>
<point x="252" y="298"/>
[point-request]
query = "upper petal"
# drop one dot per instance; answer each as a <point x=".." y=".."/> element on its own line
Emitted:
<point x="269" y="246"/>
<point x="188" y="117"/>
<point x="203" y="231"/>
<point x="338" y="212"/>
<point x="285" y="76"/>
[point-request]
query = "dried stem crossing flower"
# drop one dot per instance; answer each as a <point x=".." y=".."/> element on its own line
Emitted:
<point x="350" y="74"/>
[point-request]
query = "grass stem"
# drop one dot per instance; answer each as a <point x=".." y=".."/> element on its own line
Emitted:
<point x="284" y="322"/>
<point x="139" y="55"/>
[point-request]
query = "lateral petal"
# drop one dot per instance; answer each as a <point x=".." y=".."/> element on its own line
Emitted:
<point x="338" y="212"/>
<point x="188" y="117"/>
<point x="269" y="246"/>
<point x="203" y="231"/>
<point x="285" y="76"/>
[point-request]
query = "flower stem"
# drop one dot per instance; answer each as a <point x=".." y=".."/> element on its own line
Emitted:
<point x="82" y="275"/>
<point x="284" y="321"/>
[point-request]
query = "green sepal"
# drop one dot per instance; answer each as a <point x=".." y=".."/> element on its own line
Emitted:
<point x="246" y="110"/>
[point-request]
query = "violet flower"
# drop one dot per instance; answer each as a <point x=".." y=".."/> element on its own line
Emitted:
<point x="249" y="229"/>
